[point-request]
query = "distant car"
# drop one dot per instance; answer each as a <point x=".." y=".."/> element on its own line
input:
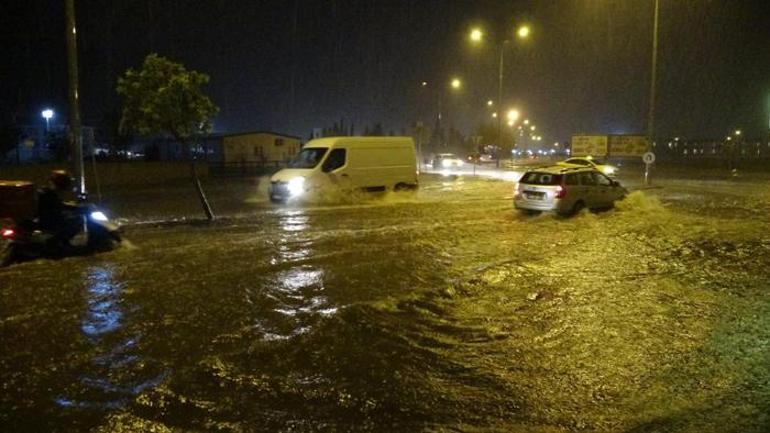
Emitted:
<point x="447" y="160"/>
<point x="566" y="190"/>
<point x="609" y="170"/>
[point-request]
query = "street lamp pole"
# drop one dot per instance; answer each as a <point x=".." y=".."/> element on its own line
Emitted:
<point x="76" y="136"/>
<point x="500" y="104"/>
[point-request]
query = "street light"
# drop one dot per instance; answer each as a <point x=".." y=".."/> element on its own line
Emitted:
<point x="456" y="83"/>
<point x="47" y="115"/>
<point x="494" y="115"/>
<point x="526" y="121"/>
<point x="476" y="36"/>
<point x="489" y="103"/>
<point x="737" y="132"/>
<point x="513" y="115"/>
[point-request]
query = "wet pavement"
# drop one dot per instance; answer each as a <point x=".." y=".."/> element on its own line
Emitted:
<point x="435" y="310"/>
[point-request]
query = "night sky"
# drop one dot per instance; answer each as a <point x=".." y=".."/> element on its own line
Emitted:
<point x="293" y="65"/>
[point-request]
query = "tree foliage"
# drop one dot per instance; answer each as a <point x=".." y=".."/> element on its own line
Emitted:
<point x="163" y="97"/>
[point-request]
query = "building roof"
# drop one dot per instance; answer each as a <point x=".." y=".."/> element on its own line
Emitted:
<point x="233" y="134"/>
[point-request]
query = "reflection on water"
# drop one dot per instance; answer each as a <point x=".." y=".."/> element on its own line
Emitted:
<point x="103" y="314"/>
<point x="116" y="372"/>
<point x="297" y="291"/>
<point x="294" y="220"/>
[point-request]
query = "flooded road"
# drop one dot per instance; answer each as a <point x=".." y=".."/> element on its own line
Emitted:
<point x="440" y="310"/>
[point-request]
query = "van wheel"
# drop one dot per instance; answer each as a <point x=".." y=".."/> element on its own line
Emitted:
<point x="402" y="187"/>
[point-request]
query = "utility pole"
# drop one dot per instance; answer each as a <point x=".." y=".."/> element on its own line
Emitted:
<point x="75" y="136"/>
<point x="653" y="82"/>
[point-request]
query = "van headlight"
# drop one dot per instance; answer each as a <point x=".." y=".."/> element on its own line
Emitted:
<point x="296" y="186"/>
<point x="446" y="163"/>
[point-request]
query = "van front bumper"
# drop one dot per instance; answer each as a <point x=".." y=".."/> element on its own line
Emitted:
<point x="278" y="191"/>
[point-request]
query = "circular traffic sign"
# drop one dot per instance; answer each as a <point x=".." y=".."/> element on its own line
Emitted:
<point x="648" y="158"/>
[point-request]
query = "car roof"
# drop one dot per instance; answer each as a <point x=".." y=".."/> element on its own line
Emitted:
<point x="560" y="169"/>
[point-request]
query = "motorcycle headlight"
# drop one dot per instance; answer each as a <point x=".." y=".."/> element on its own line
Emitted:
<point x="99" y="216"/>
<point x="296" y="186"/>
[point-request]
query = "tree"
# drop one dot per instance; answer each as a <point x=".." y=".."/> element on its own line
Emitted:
<point x="164" y="98"/>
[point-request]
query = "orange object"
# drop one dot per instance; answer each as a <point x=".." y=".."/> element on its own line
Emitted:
<point x="17" y="199"/>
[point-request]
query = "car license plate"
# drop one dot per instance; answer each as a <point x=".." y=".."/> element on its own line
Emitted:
<point x="535" y="195"/>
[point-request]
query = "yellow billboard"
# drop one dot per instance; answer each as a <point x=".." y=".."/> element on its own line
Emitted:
<point x="589" y="145"/>
<point x="628" y="145"/>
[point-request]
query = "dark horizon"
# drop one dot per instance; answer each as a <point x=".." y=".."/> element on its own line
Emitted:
<point x="293" y="66"/>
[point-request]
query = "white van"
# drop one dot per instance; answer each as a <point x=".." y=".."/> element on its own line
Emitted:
<point x="347" y="164"/>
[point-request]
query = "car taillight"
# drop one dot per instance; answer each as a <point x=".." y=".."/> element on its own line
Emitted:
<point x="560" y="191"/>
<point x="8" y="233"/>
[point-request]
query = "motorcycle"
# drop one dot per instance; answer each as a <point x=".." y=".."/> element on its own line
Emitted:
<point x="24" y="240"/>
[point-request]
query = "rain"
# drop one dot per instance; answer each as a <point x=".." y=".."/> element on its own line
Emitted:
<point x="450" y="304"/>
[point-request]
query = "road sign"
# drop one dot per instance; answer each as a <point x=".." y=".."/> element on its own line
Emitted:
<point x="585" y="145"/>
<point x="648" y="158"/>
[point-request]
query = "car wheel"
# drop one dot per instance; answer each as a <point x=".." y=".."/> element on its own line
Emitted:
<point x="7" y="255"/>
<point x="577" y="207"/>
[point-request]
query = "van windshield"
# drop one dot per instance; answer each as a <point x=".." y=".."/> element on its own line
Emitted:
<point x="308" y="157"/>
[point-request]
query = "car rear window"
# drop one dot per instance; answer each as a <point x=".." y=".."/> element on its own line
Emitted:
<point x="535" y="178"/>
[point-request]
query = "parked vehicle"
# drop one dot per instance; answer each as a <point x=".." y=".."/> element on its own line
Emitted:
<point x="347" y="164"/>
<point x="447" y="160"/>
<point x="609" y="170"/>
<point x="566" y="190"/>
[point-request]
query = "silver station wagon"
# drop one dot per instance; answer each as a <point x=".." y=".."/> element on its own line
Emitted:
<point x="566" y="190"/>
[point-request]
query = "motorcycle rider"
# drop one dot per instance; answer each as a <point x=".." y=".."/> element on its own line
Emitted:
<point x="61" y="218"/>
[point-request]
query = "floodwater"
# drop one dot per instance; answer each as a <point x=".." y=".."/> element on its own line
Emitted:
<point x="440" y="310"/>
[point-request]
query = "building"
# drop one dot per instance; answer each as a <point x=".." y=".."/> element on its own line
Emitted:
<point x="253" y="147"/>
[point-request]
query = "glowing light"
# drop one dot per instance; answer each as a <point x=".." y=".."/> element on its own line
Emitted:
<point x="523" y="32"/>
<point x="456" y="83"/>
<point x="476" y="35"/>
<point x="98" y="216"/>
<point x="296" y="186"/>
<point x="489" y="103"/>
<point x="513" y="115"/>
